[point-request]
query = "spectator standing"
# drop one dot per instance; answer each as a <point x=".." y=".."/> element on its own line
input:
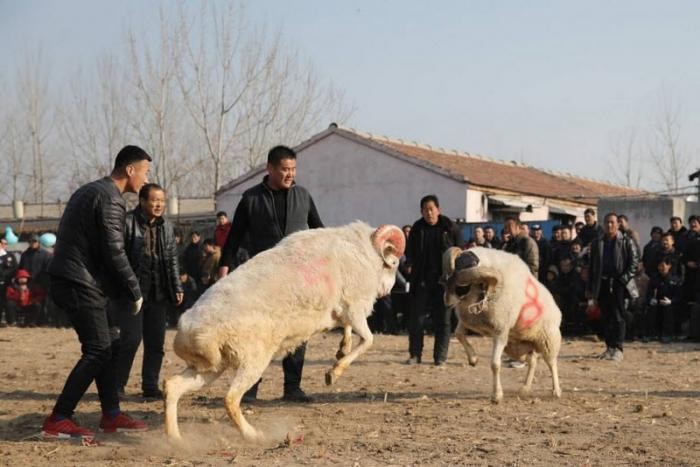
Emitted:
<point x="669" y="250"/>
<point x="8" y="268"/>
<point x="492" y="238"/>
<point x="431" y="236"/>
<point x="613" y="265"/>
<point x="267" y="213"/>
<point x="522" y="245"/>
<point x="222" y="228"/>
<point x="651" y="251"/>
<point x="544" y="250"/>
<point x="152" y="252"/>
<point x="626" y="229"/>
<point x="592" y="229"/>
<point x="210" y="263"/>
<point x="691" y="283"/>
<point x="90" y="263"/>
<point x="679" y="231"/>
<point x="35" y="260"/>
<point x="192" y="257"/>
<point x="479" y="238"/>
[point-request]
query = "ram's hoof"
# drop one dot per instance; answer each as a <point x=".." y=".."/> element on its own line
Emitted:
<point x="339" y="354"/>
<point x="473" y="361"/>
<point x="330" y="378"/>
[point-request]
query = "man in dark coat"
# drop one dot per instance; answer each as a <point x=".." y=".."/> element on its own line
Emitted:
<point x="614" y="261"/>
<point x="90" y="264"/>
<point x="431" y="236"/>
<point x="267" y="213"/>
<point x="152" y="252"/>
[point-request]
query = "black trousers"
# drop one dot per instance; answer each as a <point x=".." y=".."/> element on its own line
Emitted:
<point x="149" y="325"/>
<point x="86" y="309"/>
<point x="293" y="366"/>
<point x="424" y="301"/>
<point x="611" y="300"/>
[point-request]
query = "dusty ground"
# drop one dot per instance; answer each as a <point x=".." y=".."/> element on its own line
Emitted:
<point x="644" y="411"/>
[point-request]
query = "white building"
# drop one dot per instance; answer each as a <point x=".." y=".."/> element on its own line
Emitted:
<point x="354" y="175"/>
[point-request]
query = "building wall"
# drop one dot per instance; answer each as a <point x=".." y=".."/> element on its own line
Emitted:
<point x="350" y="181"/>
<point x="643" y="214"/>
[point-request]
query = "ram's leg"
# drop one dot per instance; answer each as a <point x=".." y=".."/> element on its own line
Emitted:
<point x="246" y="375"/>
<point x="499" y="343"/>
<point x="345" y="343"/>
<point x="461" y="335"/>
<point x="531" y="365"/>
<point x="187" y="381"/>
<point x="361" y="328"/>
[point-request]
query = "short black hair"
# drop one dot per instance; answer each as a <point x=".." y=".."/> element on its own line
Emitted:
<point x="278" y="153"/>
<point x="579" y="224"/>
<point x="668" y="234"/>
<point x="195" y="232"/>
<point x="668" y="259"/>
<point x="676" y="218"/>
<point x="622" y="216"/>
<point x="209" y="241"/>
<point x="610" y="214"/>
<point x="512" y="218"/>
<point x="221" y="213"/>
<point x="693" y="217"/>
<point x="656" y="229"/>
<point x="145" y="190"/>
<point x="589" y="211"/>
<point x="129" y="155"/>
<point x="428" y="198"/>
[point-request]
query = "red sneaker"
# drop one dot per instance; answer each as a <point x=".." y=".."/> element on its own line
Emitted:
<point x="64" y="429"/>
<point x="121" y="422"/>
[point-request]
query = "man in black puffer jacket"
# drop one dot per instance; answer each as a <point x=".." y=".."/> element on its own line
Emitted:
<point x="90" y="264"/>
<point x="431" y="235"/>
<point x="152" y="252"/>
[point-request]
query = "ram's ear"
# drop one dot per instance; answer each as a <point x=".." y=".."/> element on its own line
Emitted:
<point x="390" y="243"/>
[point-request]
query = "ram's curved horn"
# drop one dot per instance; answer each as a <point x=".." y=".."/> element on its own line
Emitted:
<point x="390" y="242"/>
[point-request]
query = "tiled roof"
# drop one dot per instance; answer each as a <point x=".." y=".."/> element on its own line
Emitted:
<point x="494" y="174"/>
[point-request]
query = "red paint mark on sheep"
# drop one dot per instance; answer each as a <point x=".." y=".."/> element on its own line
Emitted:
<point x="316" y="272"/>
<point x="532" y="309"/>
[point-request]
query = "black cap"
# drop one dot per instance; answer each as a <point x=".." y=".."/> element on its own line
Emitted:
<point x="536" y="227"/>
<point x="33" y="238"/>
<point x="656" y="229"/>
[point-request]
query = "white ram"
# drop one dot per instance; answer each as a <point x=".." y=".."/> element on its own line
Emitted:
<point x="495" y="294"/>
<point x="312" y="281"/>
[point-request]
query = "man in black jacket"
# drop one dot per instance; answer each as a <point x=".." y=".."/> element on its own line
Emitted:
<point x="268" y="212"/>
<point x="614" y="261"/>
<point x="150" y="245"/>
<point x="90" y="263"/>
<point x="592" y="230"/>
<point x="431" y="235"/>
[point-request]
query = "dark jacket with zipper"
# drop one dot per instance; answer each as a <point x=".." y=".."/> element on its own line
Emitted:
<point x="89" y="248"/>
<point x="256" y="216"/>
<point x="626" y="260"/>
<point x="164" y="272"/>
<point x="417" y="249"/>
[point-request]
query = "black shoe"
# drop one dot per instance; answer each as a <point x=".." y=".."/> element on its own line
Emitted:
<point x="153" y="394"/>
<point x="297" y="395"/>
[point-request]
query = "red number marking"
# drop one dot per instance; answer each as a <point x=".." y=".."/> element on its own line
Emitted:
<point x="532" y="309"/>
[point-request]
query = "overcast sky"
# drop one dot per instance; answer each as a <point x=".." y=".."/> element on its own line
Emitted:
<point x="550" y="83"/>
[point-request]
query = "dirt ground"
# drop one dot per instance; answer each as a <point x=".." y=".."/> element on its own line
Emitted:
<point x="644" y="411"/>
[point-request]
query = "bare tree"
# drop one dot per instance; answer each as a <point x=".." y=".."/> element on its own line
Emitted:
<point x="627" y="163"/>
<point x="157" y="114"/>
<point x="668" y="157"/>
<point x="94" y="120"/>
<point x="243" y="91"/>
<point x="37" y="118"/>
<point x="13" y="184"/>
